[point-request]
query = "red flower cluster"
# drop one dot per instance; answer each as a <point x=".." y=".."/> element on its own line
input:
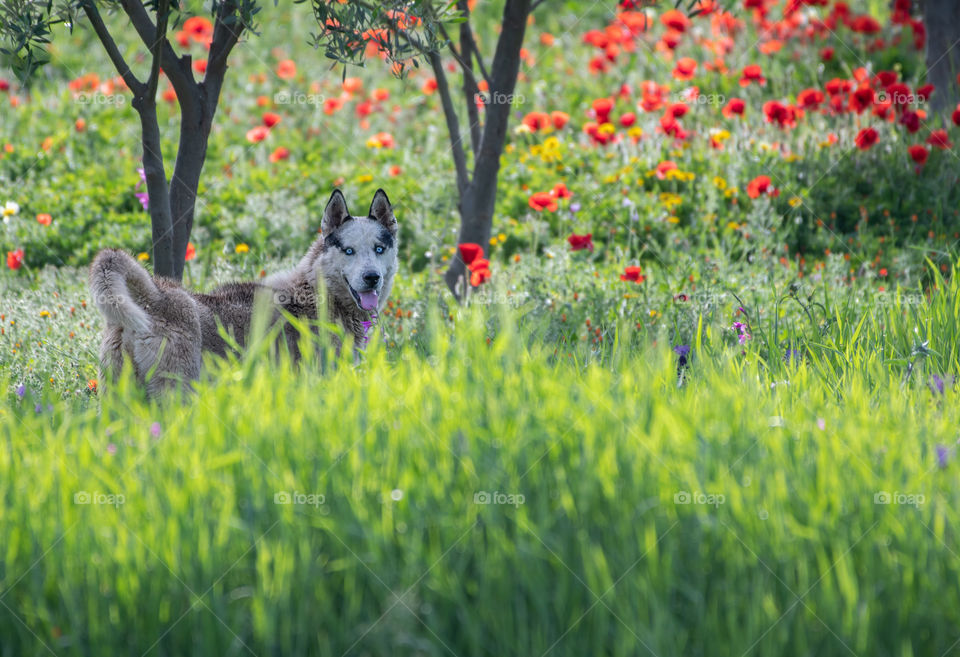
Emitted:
<point x="477" y="265"/>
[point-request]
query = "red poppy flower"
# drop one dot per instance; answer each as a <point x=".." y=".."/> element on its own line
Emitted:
<point x="541" y="201"/>
<point x="479" y="276"/>
<point x="628" y="119"/>
<point x="258" y="134"/>
<point x="862" y="98"/>
<point x="271" y="119"/>
<point x="675" y="20"/>
<point x="200" y="66"/>
<point x="280" y="153"/>
<point x="784" y="116"/>
<point x="911" y="121"/>
<point x="199" y="28"/>
<point x="560" y="191"/>
<point x="752" y="73"/>
<point x="678" y="110"/>
<point x="735" y="106"/>
<point x="581" y="242"/>
<point x="15" y="259"/>
<point x="866" y="138"/>
<point x="603" y="107"/>
<point x="924" y="92"/>
<point x="536" y="121"/>
<point x="940" y="139"/>
<point x="287" y="69"/>
<point x="918" y="154"/>
<point x="865" y="24"/>
<point x="885" y="78"/>
<point x="838" y="86"/>
<point x="810" y="99"/>
<point x="191" y="252"/>
<point x="685" y="69"/>
<point x="826" y="54"/>
<point x="760" y="185"/>
<point x="44" y="219"/>
<point x="663" y="167"/>
<point x="559" y="119"/>
<point x="470" y="252"/>
<point x="632" y="274"/>
<point x="898" y="93"/>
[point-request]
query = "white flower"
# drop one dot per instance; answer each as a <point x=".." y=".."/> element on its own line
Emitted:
<point x="10" y="209"/>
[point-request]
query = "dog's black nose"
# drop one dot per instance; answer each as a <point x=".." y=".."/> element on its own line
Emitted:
<point x="371" y="278"/>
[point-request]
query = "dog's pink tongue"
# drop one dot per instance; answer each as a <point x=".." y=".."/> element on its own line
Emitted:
<point x="368" y="300"/>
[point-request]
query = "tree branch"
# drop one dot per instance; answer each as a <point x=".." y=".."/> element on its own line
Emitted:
<point x="93" y="14"/>
<point x="226" y="33"/>
<point x="177" y="69"/>
<point x="468" y="44"/>
<point x="453" y="124"/>
<point x="156" y="47"/>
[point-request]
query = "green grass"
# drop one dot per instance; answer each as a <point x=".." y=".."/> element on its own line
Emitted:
<point x="793" y="556"/>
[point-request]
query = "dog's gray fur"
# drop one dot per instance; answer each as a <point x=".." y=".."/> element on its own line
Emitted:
<point x="164" y="329"/>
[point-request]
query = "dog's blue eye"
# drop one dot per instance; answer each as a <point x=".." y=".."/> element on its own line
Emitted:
<point x="379" y="249"/>
<point x="348" y="251"/>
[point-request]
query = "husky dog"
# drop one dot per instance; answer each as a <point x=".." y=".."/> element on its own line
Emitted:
<point x="164" y="329"/>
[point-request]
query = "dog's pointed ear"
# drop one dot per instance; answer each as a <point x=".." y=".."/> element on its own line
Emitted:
<point x="381" y="211"/>
<point x="335" y="214"/>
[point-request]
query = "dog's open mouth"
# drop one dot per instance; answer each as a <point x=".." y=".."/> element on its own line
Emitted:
<point x="365" y="300"/>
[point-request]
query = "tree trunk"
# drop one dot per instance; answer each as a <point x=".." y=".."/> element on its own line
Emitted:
<point x="942" y="21"/>
<point x="191" y="156"/>
<point x="164" y="258"/>
<point x="476" y="226"/>
<point x="478" y="201"/>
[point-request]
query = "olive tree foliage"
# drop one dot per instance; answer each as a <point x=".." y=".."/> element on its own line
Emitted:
<point x="26" y="31"/>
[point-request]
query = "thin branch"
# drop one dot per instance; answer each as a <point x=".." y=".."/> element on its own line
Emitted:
<point x="177" y="69"/>
<point x="468" y="43"/>
<point x="453" y="124"/>
<point x="226" y="34"/>
<point x="93" y="14"/>
<point x="471" y="90"/>
<point x="156" y="48"/>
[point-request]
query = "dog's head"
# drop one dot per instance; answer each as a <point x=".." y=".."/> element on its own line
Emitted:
<point x="359" y="254"/>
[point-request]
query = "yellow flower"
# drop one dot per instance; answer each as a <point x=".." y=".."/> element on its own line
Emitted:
<point x="719" y="183"/>
<point x="493" y="241"/>
<point x="730" y="192"/>
<point x="612" y="178"/>
<point x="607" y="129"/>
<point x="635" y="132"/>
<point x="673" y="220"/>
<point x="733" y="225"/>
<point x="795" y="201"/>
<point x="502" y="237"/>
<point x="365" y="178"/>
<point x="242" y="248"/>
<point x="44" y="313"/>
<point x="143" y="257"/>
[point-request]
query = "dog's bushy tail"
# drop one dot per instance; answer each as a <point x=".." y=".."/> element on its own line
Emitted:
<point x="121" y="288"/>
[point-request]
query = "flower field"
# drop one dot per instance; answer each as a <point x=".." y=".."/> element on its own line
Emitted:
<point x="699" y="400"/>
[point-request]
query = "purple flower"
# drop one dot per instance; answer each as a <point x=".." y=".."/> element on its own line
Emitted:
<point x="937" y="384"/>
<point x="793" y="355"/>
<point x="38" y="409"/>
<point x="743" y="337"/>
<point x="155" y="429"/>
<point x="112" y="448"/>
<point x="943" y="456"/>
<point x="682" y="351"/>
<point x="143" y="197"/>
<point x="21" y="391"/>
<point x="575" y="207"/>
